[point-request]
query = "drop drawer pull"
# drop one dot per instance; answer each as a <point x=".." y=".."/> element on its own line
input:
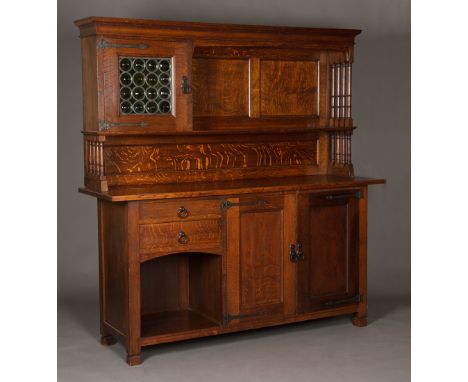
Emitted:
<point x="183" y="238"/>
<point x="182" y="212"/>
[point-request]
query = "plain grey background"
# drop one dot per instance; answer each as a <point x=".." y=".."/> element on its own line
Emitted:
<point x="381" y="110"/>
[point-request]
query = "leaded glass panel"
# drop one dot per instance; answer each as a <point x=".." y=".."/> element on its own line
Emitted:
<point x="145" y="85"/>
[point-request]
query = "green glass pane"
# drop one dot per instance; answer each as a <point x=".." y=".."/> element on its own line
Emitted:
<point x="139" y="107"/>
<point x="125" y="79"/>
<point x="164" y="65"/>
<point x="126" y="107"/>
<point x="151" y="107"/>
<point x="164" y="79"/>
<point x="164" y="107"/>
<point x="138" y="93"/>
<point x="138" y="79"/>
<point x="125" y="64"/>
<point x="164" y="92"/>
<point x="152" y="79"/>
<point x="145" y="85"/>
<point x="151" y="65"/>
<point x="151" y="93"/>
<point x="138" y="64"/>
<point x="125" y="93"/>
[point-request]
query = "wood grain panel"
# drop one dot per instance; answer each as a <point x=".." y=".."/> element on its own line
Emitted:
<point x="160" y="284"/>
<point x="114" y="265"/>
<point x="261" y="258"/>
<point x="220" y="87"/>
<point x="329" y="233"/>
<point x="164" y="237"/>
<point x="288" y="88"/>
<point x="205" y="285"/>
<point x="216" y="156"/>
<point x="167" y="210"/>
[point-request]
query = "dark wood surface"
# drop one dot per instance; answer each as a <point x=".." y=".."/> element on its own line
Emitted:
<point x="203" y="213"/>
<point x="183" y="190"/>
<point x="329" y="236"/>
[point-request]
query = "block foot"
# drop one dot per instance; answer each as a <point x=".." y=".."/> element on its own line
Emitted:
<point x="359" y="321"/>
<point x="134" y="360"/>
<point x="108" y="340"/>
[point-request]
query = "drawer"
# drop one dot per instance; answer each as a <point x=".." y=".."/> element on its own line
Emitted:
<point x="196" y="235"/>
<point x="179" y="210"/>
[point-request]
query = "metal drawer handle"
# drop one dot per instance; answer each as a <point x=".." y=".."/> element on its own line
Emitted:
<point x="183" y="238"/>
<point x="182" y="212"/>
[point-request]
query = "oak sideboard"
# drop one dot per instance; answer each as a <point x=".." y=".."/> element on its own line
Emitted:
<point x="220" y="157"/>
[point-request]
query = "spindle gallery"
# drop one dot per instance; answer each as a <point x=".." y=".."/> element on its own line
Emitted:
<point x="220" y="158"/>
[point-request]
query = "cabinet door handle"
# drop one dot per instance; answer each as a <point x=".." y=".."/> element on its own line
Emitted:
<point x="183" y="238"/>
<point x="299" y="253"/>
<point x="182" y="212"/>
<point x="292" y="253"/>
<point x="295" y="252"/>
<point x="186" y="88"/>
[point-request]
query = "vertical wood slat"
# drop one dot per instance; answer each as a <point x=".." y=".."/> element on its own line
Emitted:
<point x="340" y="94"/>
<point x="332" y="94"/>
<point x="340" y="153"/>
<point x="94" y="156"/>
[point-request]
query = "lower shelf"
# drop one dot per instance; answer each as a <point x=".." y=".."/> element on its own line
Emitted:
<point x="174" y="322"/>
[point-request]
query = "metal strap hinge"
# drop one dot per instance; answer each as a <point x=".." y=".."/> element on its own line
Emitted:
<point x="355" y="299"/>
<point x="229" y="317"/>
<point x="357" y="195"/>
<point x="103" y="44"/>
<point x="225" y="204"/>
<point x="106" y="125"/>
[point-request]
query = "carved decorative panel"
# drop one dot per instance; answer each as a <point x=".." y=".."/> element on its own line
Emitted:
<point x="216" y="156"/>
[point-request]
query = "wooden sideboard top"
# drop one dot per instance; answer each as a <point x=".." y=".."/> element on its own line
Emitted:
<point x="234" y="187"/>
<point x="197" y="30"/>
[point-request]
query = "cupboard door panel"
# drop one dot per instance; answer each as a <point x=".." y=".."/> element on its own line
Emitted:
<point x="289" y="88"/>
<point x="261" y="255"/>
<point x="258" y="268"/>
<point x="220" y="87"/>
<point x="329" y="235"/>
<point x="141" y="85"/>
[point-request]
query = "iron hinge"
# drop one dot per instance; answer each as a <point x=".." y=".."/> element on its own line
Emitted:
<point x="355" y="299"/>
<point x="357" y="195"/>
<point x="229" y="317"/>
<point x="103" y="44"/>
<point x="106" y="125"/>
<point x="186" y="88"/>
<point x="225" y="204"/>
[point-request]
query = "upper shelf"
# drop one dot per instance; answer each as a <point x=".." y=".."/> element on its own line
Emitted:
<point x="234" y="187"/>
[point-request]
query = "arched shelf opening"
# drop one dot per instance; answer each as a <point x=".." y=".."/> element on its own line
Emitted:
<point x="180" y="292"/>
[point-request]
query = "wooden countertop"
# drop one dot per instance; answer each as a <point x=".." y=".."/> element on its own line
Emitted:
<point x="234" y="187"/>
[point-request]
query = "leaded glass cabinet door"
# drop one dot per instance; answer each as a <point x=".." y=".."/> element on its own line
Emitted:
<point x="145" y="85"/>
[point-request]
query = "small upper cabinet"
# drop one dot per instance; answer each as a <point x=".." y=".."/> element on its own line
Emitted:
<point x="143" y="85"/>
<point x="258" y="87"/>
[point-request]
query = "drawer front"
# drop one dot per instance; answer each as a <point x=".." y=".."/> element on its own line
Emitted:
<point x="184" y="236"/>
<point x="179" y="210"/>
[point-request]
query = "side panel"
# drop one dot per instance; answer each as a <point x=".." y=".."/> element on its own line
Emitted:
<point x="114" y="278"/>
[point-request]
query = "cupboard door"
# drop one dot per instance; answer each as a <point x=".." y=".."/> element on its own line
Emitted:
<point x="257" y="261"/>
<point x="329" y="233"/>
<point x="142" y="85"/>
